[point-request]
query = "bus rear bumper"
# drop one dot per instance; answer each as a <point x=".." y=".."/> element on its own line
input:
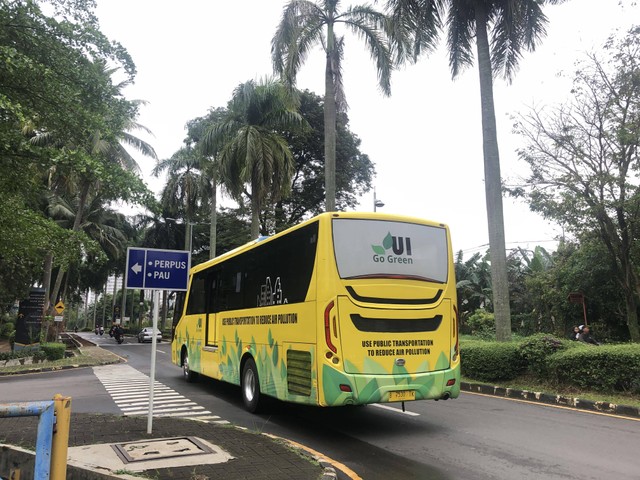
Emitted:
<point x="360" y="389"/>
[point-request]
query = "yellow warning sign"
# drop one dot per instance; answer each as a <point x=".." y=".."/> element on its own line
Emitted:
<point x="59" y="307"/>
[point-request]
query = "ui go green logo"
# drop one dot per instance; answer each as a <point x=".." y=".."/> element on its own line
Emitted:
<point x="393" y="250"/>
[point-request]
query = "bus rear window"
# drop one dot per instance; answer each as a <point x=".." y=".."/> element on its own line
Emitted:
<point x="386" y="249"/>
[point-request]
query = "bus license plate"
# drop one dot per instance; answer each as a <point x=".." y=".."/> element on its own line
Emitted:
<point x="402" y="395"/>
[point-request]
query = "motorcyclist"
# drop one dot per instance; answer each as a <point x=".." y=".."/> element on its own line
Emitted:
<point x="118" y="333"/>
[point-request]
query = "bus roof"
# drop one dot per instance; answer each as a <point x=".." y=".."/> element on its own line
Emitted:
<point x="323" y="217"/>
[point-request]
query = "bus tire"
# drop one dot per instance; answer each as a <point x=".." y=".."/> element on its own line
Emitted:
<point x="188" y="374"/>
<point x="250" y="386"/>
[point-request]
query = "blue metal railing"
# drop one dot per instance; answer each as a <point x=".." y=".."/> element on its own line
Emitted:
<point x="44" y="410"/>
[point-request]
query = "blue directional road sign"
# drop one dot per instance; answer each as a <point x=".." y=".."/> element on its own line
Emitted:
<point x="154" y="269"/>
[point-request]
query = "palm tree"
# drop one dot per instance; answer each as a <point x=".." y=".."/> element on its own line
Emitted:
<point x="196" y="129"/>
<point x="515" y="26"/>
<point x="305" y="25"/>
<point x="250" y="149"/>
<point x="187" y="187"/>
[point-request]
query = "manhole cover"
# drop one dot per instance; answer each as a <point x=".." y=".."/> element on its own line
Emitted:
<point x="143" y="451"/>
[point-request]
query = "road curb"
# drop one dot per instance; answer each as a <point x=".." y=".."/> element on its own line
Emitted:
<point x="562" y="400"/>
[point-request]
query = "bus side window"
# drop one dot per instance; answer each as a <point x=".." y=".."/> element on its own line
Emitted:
<point x="197" y="295"/>
<point x="213" y="302"/>
<point x="178" y="306"/>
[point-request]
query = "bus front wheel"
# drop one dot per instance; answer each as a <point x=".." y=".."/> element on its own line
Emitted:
<point x="189" y="375"/>
<point x="250" y="386"/>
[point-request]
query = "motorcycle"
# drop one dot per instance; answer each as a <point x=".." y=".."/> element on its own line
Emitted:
<point x="118" y="334"/>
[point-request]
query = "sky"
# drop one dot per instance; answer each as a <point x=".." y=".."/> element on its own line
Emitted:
<point x="425" y="139"/>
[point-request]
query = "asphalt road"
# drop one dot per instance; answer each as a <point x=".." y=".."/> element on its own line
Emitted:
<point x="472" y="437"/>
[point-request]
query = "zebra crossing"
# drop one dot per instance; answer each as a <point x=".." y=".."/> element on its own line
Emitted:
<point x="129" y="389"/>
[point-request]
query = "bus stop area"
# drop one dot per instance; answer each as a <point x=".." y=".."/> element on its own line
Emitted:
<point x="113" y="446"/>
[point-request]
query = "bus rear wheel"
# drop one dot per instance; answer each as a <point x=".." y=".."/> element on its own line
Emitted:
<point x="189" y="375"/>
<point x="250" y="386"/>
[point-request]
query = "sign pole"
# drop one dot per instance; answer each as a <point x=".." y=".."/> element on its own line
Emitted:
<point x="154" y="347"/>
<point x="155" y="270"/>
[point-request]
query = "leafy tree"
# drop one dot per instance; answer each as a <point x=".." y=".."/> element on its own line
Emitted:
<point x="54" y="88"/>
<point x="252" y="151"/>
<point x="234" y="229"/>
<point x="473" y="284"/>
<point x="501" y="31"/>
<point x="584" y="161"/>
<point x="306" y="24"/>
<point x="354" y="170"/>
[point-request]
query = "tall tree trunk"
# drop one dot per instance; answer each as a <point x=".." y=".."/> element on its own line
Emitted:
<point x="213" y="216"/>
<point x="46" y="279"/>
<point x="330" y="126"/>
<point x="165" y="304"/>
<point x="84" y="193"/>
<point x="255" y="215"/>
<point x="632" y="315"/>
<point x="493" y="182"/>
<point x="86" y="309"/>
<point x="104" y="305"/>
<point x="113" y="300"/>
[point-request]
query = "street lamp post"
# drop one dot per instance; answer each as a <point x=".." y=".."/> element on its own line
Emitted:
<point x="376" y="203"/>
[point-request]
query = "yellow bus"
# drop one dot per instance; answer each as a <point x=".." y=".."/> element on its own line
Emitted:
<point x="343" y="309"/>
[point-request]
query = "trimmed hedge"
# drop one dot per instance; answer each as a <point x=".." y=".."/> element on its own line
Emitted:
<point x="536" y="350"/>
<point x="27" y="352"/>
<point x="605" y="368"/>
<point x="491" y="361"/>
<point x="53" y="351"/>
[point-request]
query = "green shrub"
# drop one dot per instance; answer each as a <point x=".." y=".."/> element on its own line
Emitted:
<point x="491" y="361"/>
<point x="482" y="324"/>
<point x="6" y="329"/>
<point x="536" y="349"/>
<point x="26" y="352"/>
<point x="53" y="351"/>
<point x="604" y="368"/>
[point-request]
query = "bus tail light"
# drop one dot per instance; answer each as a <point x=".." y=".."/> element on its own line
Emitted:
<point x="451" y="382"/>
<point x="327" y="327"/>
<point x="456" y="351"/>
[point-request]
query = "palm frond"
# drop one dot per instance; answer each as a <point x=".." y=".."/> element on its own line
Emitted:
<point x="461" y="25"/>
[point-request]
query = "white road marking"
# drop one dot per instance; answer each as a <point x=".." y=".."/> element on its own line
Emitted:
<point x="396" y="410"/>
<point x="129" y="389"/>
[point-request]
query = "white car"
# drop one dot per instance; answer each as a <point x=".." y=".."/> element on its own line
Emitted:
<point x="146" y="335"/>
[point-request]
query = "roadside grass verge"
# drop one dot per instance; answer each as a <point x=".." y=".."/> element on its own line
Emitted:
<point x="87" y="359"/>
<point x="530" y="383"/>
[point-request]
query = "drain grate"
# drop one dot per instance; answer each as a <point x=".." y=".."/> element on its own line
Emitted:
<point x="159" y="449"/>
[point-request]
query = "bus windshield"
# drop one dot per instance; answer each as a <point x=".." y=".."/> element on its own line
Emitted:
<point x="388" y="249"/>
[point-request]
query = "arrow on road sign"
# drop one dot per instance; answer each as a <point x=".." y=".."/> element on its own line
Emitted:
<point x="137" y="268"/>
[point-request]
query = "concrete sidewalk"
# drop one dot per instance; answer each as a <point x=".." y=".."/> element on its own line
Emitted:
<point x="236" y="454"/>
<point x="98" y="446"/>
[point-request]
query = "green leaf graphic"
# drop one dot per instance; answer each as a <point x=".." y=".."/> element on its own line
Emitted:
<point x="388" y="241"/>
<point x="378" y="249"/>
